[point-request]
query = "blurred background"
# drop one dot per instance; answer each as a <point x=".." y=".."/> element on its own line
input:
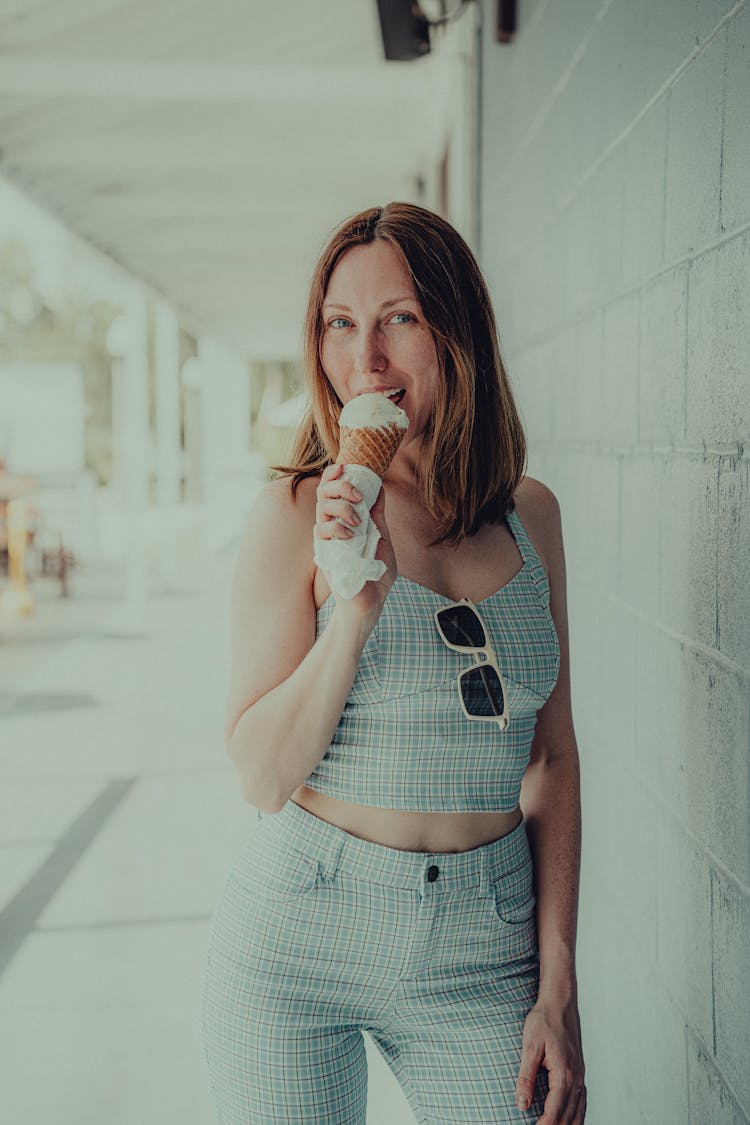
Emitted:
<point x="168" y="176"/>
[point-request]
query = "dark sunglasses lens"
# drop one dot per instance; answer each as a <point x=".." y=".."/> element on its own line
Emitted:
<point x="460" y="626"/>
<point x="482" y="691"/>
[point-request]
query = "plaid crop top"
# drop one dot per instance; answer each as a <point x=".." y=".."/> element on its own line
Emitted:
<point x="403" y="741"/>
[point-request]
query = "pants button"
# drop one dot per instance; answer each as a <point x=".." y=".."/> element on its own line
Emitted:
<point x="433" y="873"/>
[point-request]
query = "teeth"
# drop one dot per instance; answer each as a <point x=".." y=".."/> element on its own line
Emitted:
<point x="395" y="393"/>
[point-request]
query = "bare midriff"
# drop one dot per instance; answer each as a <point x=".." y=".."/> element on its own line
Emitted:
<point x="407" y="830"/>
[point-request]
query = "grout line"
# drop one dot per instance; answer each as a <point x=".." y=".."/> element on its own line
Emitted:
<point x="545" y="107"/>
<point x="562" y="82"/>
<point x="686" y="353"/>
<point x="664" y="270"/>
<point x="727" y="1087"/>
<point x="712" y="883"/>
<point x="723" y="122"/>
<point x="736" y="453"/>
<point x="18" y="918"/>
<point x="717" y="616"/>
<point x="686" y="1046"/>
<point x="668" y="110"/>
<point x="619" y="461"/>
<point x="720" y="659"/>
<point x="701" y="847"/>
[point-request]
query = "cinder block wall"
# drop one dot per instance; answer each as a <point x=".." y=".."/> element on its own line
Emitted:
<point x="615" y="232"/>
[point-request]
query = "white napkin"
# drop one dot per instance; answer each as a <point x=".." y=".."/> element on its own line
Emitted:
<point x="349" y="563"/>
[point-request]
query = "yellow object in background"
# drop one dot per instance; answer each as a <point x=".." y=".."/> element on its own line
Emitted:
<point x="17" y="599"/>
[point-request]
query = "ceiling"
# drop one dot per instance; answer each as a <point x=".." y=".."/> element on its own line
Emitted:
<point x="210" y="148"/>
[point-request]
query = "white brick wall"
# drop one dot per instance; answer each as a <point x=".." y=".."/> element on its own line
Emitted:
<point x="615" y="234"/>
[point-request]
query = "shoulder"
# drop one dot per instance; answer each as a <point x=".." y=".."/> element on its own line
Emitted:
<point x="279" y="525"/>
<point x="280" y="511"/>
<point x="536" y="498"/>
<point x="275" y="497"/>
<point x="539" y="512"/>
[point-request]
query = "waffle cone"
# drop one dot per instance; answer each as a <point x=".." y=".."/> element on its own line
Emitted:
<point x="374" y="448"/>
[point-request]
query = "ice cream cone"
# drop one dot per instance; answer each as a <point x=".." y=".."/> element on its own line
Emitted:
<point x="375" y="449"/>
<point x="371" y="429"/>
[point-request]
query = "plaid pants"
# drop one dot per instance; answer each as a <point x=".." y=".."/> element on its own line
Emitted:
<point x="319" y="936"/>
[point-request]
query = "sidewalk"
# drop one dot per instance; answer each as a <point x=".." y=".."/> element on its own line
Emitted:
<point x="119" y="817"/>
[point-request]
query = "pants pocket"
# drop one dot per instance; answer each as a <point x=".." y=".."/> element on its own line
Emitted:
<point x="513" y="894"/>
<point x="273" y="873"/>
<point x="512" y="904"/>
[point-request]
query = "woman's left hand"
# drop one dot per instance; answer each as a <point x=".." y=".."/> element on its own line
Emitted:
<point x="552" y="1038"/>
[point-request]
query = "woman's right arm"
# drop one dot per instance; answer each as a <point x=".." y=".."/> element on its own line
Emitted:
<point x="287" y="689"/>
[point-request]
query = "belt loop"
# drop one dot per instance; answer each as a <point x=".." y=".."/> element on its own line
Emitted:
<point x="328" y="864"/>
<point x="484" y="875"/>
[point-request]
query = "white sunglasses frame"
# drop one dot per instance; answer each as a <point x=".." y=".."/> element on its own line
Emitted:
<point x="490" y="660"/>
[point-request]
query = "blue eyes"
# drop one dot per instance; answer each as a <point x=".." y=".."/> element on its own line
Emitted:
<point x="338" y="320"/>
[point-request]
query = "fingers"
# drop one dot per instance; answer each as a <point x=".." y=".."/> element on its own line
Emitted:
<point x="565" y="1105"/>
<point x="530" y="1060"/>
<point x="575" y="1111"/>
<point x="335" y="517"/>
<point x="553" y="1104"/>
<point x="331" y="472"/>
<point x="329" y="511"/>
<point x="333" y="486"/>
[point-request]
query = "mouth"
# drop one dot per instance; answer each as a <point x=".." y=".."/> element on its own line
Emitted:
<point x="396" y="395"/>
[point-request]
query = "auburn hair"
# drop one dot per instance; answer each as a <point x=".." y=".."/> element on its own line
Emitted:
<point x="474" y="444"/>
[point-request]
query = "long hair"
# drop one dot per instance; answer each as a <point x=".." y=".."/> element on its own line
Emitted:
<point x="474" y="445"/>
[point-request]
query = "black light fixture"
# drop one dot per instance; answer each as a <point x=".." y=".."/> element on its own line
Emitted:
<point x="405" y="25"/>
<point x="505" y="21"/>
<point x="405" y="30"/>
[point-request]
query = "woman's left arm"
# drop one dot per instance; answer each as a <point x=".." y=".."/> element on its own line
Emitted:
<point x="551" y="804"/>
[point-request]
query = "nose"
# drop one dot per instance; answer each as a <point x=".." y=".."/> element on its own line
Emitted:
<point x="370" y="355"/>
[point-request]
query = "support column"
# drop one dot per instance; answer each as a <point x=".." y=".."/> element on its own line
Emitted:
<point x="168" y="453"/>
<point x="132" y="449"/>
<point x="212" y="388"/>
<point x="225" y="427"/>
<point x="238" y="410"/>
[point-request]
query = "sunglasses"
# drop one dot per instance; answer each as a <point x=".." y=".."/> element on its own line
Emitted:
<point x="481" y="688"/>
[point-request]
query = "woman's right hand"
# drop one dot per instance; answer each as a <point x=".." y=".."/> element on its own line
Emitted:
<point x="334" y="516"/>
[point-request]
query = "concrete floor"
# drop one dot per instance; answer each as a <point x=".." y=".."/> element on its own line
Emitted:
<point x="119" y="817"/>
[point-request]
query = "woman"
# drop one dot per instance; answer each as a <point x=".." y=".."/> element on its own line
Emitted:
<point x="415" y="870"/>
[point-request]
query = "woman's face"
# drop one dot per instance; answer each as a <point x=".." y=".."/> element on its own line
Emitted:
<point x="374" y="333"/>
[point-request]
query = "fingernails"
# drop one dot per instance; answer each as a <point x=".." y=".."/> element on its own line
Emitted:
<point x="357" y="494"/>
<point x="523" y="1103"/>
